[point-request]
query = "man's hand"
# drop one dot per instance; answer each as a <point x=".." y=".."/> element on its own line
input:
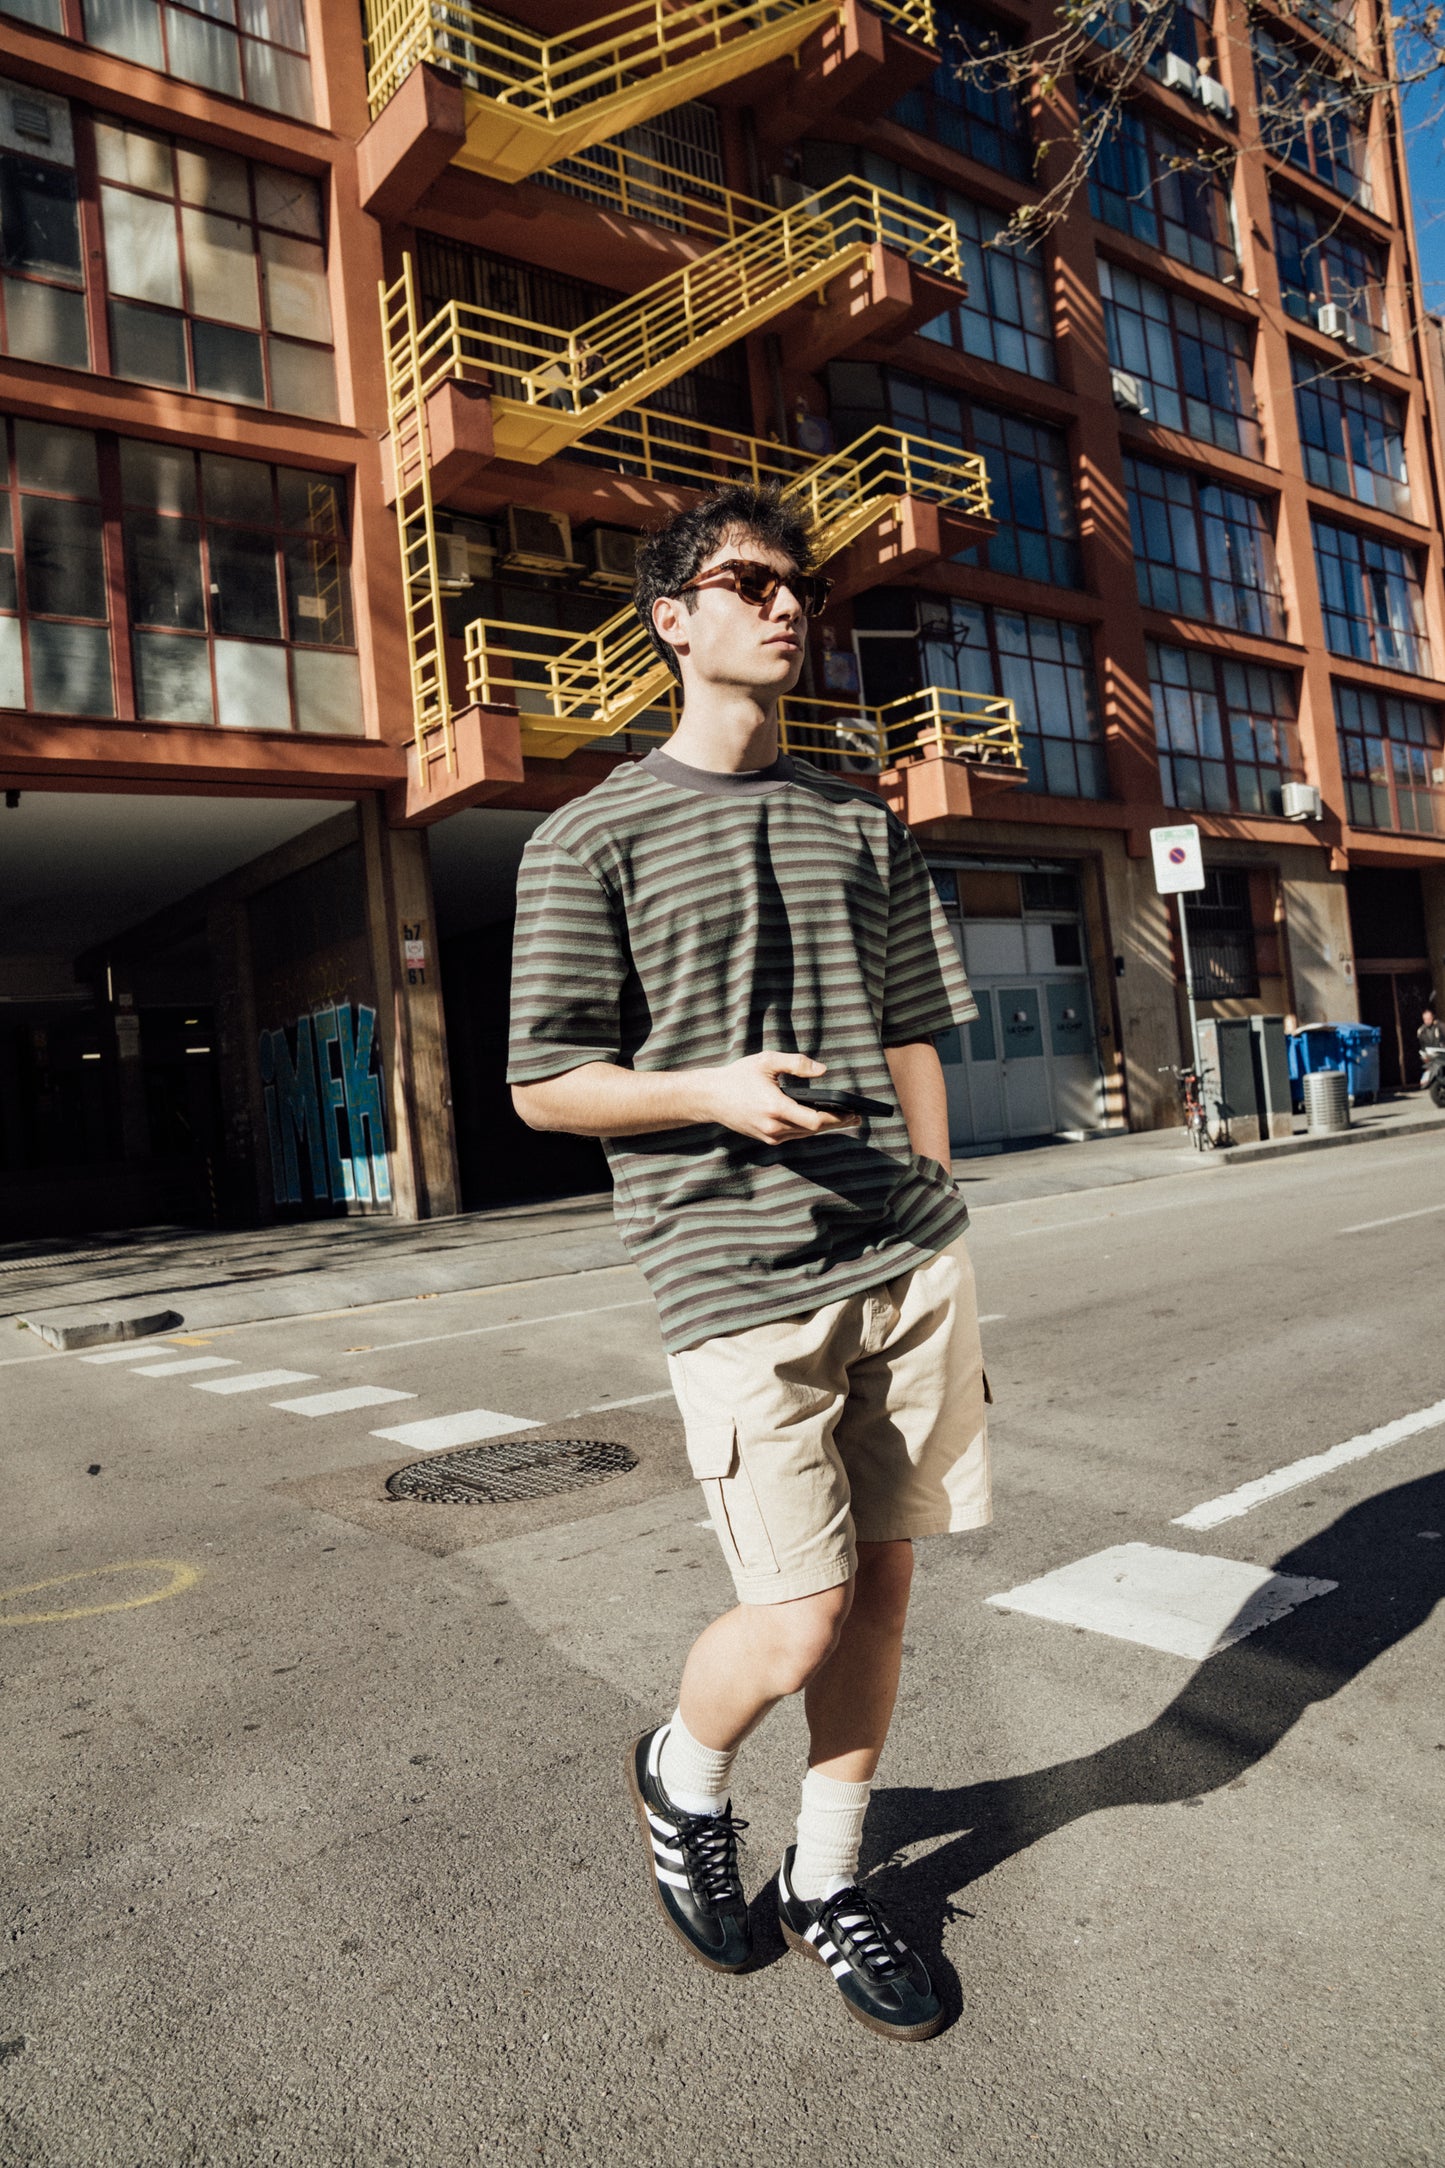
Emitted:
<point x="744" y="1097"/>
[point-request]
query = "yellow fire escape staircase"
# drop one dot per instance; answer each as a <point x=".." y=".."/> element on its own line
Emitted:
<point x="549" y="389"/>
<point x="573" y="690"/>
<point x="531" y="101"/>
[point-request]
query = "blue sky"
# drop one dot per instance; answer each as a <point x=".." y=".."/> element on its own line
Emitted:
<point x="1425" y="137"/>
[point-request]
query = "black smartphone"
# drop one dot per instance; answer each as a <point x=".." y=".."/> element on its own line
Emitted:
<point x="829" y="1098"/>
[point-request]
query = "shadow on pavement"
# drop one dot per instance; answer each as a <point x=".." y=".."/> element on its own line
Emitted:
<point x="1233" y="1712"/>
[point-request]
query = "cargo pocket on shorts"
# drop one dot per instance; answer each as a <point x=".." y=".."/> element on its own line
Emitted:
<point x="712" y="1451"/>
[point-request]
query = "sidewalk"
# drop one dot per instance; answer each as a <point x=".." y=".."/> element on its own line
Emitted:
<point x="101" y="1287"/>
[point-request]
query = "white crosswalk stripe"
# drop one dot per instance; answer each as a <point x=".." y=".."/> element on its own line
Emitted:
<point x="186" y="1366"/>
<point x="342" y="1401"/>
<point x="436" y="1432"/>
<point x="254" y="1381"/>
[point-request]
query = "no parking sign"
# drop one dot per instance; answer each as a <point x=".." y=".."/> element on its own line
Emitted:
<point x="1178" y="860"/>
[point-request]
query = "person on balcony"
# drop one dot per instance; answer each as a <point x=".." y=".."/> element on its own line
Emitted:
<point x="708" y="924"/>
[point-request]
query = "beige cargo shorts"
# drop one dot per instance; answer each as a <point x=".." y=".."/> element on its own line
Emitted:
<point x="860" y="1422"/>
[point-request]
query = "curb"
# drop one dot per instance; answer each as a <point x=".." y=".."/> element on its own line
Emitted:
<point x="1248" y="1155"/>
<point x="88" y="1325"/>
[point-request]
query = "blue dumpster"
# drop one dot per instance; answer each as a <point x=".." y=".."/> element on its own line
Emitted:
<point x="1355" y="1048"/>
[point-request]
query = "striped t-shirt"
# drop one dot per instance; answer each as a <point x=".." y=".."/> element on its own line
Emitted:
<point x="679" y="919"/>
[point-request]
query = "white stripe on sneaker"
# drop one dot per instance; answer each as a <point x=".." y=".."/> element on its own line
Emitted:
<point x="673" y="1881"/>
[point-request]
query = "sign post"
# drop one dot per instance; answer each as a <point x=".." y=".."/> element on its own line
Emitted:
<point x="1179" y="871"/>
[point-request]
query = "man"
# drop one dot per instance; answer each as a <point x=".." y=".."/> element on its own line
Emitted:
<point x="706" y="921"/>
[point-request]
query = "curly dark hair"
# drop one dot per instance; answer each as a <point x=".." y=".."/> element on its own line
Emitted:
<point x="673" y="555"/>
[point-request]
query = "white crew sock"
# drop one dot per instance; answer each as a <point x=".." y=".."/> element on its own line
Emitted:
<point x="694" y="1777"/>
<point x="830" y="1830"/>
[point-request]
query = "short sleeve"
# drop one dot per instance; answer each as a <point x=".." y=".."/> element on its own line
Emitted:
<point x="569" y="962"/>
<point x="924" y="987"/>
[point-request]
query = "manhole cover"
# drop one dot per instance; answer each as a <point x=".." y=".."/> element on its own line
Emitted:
<point x="522" y="1468"/>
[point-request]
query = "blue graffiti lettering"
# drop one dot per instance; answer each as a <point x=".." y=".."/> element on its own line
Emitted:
<point x="365" y="1117"/>
<point x="292" y="1112"/>
<point x="308" y="1096"/>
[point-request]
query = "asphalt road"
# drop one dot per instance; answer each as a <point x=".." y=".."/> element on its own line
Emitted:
<point x="322" y="1855"/>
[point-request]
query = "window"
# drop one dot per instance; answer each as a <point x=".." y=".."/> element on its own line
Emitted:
<point x="1191" y="362"/>
<point x="42" y="275"/>
<point x="1223" y="958"/>
<point x="982" y="117"/>
<point x="54" y="641"/>
<point x="1317" y="122"/>
<point x="1226" y="731"/>
<point x="216" y="273"/>
<point x="1185" y="29"/>
<point x="1370" y="591"/>
<point x="1203" y="550"/>
<point x="1393" y="755"/>
<point x="1028" y="464"/>
<point x="237" y="602"/>
<point x="1320" y="262"/>
<point x="1005" y="317"/>
<point x="251" y="49"/>
<point x="1046" y="668"/>
<point x="1332" y="19"/>
<point x="1353" y="434"/>
<point x="1163" y="189"/>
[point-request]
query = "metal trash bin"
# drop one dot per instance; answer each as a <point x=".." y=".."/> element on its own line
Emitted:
<point x="1327" y="1101"/>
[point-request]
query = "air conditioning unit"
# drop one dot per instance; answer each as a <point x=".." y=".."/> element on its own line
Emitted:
<point x="857" y="748"/>
<point x="538" y="541"/>
<point x="1128" y="391"/>
<point x="1332" y="320"/>
<point x="454" y="564"/>
<point x="1213" y="96"/>
<point x="788" y="193"/>
<point x="612" y="559"/>
<point x="1300" y="801"/>
<point x="1179" y="75"/>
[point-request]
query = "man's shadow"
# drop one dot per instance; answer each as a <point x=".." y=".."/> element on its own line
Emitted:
<point x="1233" y="1711"/>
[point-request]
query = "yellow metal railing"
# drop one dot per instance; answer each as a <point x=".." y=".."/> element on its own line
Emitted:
<point x="591" y="685"/>
<point x="532" y="100"/>
<point x="416" y="522"/>
<point x="651" y="188"/>
<point x="550" y="387"/>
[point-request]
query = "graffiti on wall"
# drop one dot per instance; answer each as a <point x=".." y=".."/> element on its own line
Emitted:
<point x="322" y="1093"/>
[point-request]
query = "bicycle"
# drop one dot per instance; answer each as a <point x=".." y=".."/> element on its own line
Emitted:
<point x="1195" y="1107"/>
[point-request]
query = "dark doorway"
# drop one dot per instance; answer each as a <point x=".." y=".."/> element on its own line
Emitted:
<point x="1395" y="1001"/>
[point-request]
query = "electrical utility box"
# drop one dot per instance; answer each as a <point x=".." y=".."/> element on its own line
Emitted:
<point x="1271" y="1076"/>
<point x="1226" y="1049"/>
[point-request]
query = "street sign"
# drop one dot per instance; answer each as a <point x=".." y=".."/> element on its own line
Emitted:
<point x="1178" y="860"/>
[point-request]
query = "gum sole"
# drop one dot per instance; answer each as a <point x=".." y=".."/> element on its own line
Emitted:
<point x="639" y="1808"/>
<point x="804" y="1948"/>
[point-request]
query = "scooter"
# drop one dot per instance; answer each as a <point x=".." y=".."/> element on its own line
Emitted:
<point x="1433" y="1079"/>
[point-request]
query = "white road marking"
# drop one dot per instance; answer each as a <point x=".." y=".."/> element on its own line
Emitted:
<point x="439" y="1431"/>
<point x="341" y="1401"/>
<point x="638" y="1400"/>
<point x="1362" y="1227"/>
<point x="993" y="1317"/>
<point x="512" y="1324"/>
<point x="131" y="1352"/>
<point x="186" y="1364"/>
<point x="254" y="1381"/>
<point x="1176" y="1601"/>
<point x="1243" y="1500"/>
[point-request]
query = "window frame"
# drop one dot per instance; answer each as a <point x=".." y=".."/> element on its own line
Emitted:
<point x="1136" y="135"/>
<point x="68" y="20"/>
<point x="1215" y="927"/>
<point x="1284" y="77"/>
<point x="124" y="628"/>
<point x="1351" y="410"/>
<point x="1266" y="618"/>
<point x="1407" y="773"/>
<point x="1378" y="633"/>
<point x="1232" y="684"/>
<point x="1236" y="429"/>
<point x="1298" y="226"/>
<point x="964" y="117"/>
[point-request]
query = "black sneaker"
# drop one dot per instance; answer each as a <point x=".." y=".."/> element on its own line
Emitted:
<point x="694" y="1864"/>
<point x="884" y="1984"/>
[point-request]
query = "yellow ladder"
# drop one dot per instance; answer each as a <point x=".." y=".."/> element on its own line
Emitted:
<point x="532" y="100"/>
<point x="573" y="690"/>
<point x="550" y="387"/>
<point x="416" y="524"/>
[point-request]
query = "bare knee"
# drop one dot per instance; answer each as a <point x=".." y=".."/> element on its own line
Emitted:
<point x="802" y="1635"/>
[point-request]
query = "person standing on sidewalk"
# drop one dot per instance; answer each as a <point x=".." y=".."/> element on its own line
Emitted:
<point x="707" y="920"/>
